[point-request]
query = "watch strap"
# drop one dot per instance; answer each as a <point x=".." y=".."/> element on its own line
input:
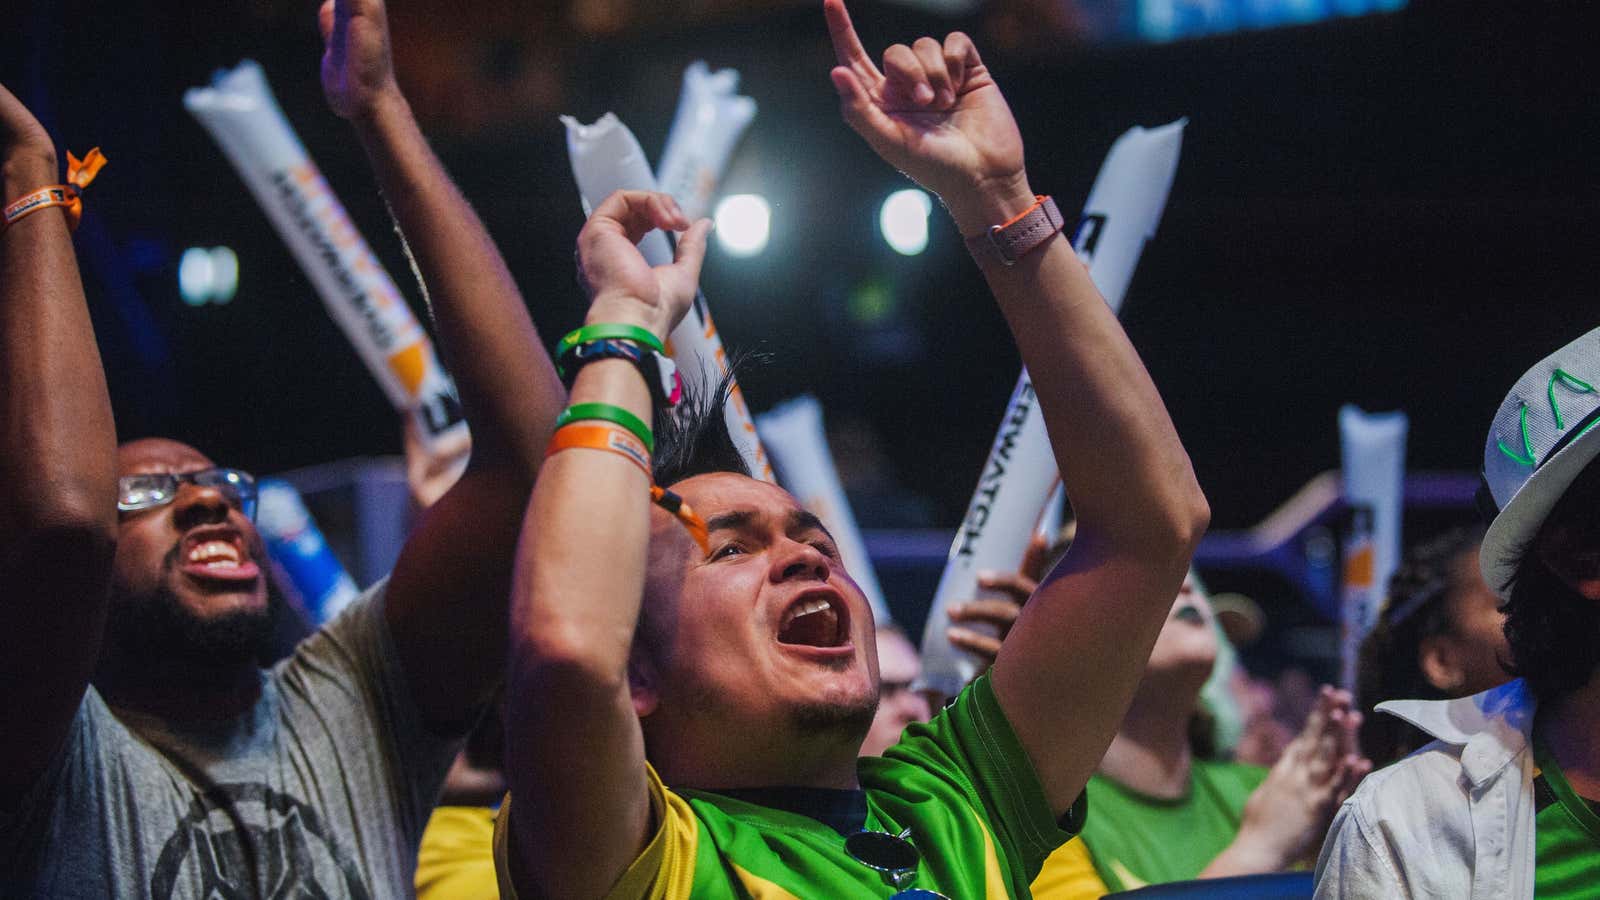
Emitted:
<point x="660" y="373"/>
<point x="1009" y="242"/>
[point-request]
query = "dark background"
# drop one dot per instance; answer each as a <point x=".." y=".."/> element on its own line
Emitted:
<point x="1396" y="211"/>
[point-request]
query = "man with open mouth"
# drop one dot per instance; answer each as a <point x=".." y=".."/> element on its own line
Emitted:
<point x="690" y="680"/>
<point x="146" y="753"/>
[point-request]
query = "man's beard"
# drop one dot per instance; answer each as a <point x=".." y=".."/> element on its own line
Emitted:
<point x="845" y="720"/>
<point x="156" y="628"/>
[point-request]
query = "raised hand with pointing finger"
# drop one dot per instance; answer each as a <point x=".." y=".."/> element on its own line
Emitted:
<point x="933" y="112"/>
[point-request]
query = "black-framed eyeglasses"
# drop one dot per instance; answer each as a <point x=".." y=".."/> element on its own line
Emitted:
<point x="153" y="489"/>
<point x="894" y="856"/>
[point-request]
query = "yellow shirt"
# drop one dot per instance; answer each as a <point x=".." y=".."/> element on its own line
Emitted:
<point x="1069" y="874"/>
<point x="456" y="859"/>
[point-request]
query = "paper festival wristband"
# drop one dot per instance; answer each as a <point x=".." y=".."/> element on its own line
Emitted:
<point x="241" y="115"/>
<point x="793" y="432"/>
<point x="606" y="157"/>
<point x="710" y="119"/>
<point x="608" y="437"/>
<point x="1120" y="215"/>
<point x="607" y="412"/>
<point x="68" y="196"/>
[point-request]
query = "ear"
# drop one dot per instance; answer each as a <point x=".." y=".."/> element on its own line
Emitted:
<point x="1437" y="658"/>
<point x="643" y="682"/>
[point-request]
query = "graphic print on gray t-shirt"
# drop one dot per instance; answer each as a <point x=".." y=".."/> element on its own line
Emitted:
<point x="237" y="836"/>
<point x="320" y="790"/>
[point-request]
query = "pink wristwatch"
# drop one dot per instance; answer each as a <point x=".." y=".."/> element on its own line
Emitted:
<point x="1005" y="244"/>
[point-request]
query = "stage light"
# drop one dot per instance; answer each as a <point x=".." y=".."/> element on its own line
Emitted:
<point x="904" y="221"/>
<point x="224" y="274"/>
<point x="208" y="275"/>
<point x="744" y="222"/>
<point x="194" y="276"/>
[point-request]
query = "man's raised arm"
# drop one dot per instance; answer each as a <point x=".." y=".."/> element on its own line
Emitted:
<point x="580" y="810"/>
<point x="447" y="597"/>
<point x="58" y="506"/>
<point x="934" y="112"/>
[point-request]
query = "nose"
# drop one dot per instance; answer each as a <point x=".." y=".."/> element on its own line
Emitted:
<point x="796" y="559"/>
<point x="199" y="505"/>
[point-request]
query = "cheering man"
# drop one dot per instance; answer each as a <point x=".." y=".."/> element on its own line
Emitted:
<point x="686" y="705"/>
<point x="146" y="754"/>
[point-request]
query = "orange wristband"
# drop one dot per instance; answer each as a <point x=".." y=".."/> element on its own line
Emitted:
<point x="80" y="172"/>
<point x="589" y="436"/>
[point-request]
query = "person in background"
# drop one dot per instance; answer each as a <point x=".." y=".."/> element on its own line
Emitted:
<point x="1163" y="811"/>
<point x="1505" y="802"/>
<point x="900" y="703"/>
<point x="146" y="752"/>
<point x="1441" y="635"/>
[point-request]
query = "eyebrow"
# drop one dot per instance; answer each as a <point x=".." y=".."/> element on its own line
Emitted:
<point x="730" y="521"/>
<point x="805" y="520"/>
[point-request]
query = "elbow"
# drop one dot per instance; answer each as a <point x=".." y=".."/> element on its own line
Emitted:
<point x="1192" y="519"/>
<point x="73" y="519"/>
<point x="567" y="659"/>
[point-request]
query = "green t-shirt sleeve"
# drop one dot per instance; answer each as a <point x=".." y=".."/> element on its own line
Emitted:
<point x="972" y="743"/>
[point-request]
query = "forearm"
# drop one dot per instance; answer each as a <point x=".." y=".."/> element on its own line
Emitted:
<point x="1247" y="855"/>
<point x="1126" y="472"/>
<point x="57" y="484"/>
<point x="582" y="559"/>
<point x="59" y="443"/>
<point x="508" y="386"/>
<point x="574" y="751"/>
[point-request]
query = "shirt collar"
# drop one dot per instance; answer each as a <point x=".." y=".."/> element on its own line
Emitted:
<point x="1491" y="727"/>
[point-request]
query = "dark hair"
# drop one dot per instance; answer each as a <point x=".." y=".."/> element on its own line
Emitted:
<point x="1387" y="667"/>
<point x="692" y="438"/>
<point x="1554" y="631"/>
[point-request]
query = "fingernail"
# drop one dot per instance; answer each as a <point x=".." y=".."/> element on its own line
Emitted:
<point x="946" y="98"/>
<point x="922" y="94"/>
<point x="956" y="608"/>
<point x="987" y="574"/>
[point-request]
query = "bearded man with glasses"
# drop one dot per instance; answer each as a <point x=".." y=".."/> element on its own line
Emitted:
<point x="145" y="752"/>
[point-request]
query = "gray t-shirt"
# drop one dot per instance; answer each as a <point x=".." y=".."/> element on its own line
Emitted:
<point x="321" y="790"/>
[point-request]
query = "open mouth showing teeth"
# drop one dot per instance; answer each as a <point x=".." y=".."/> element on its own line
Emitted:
<point x="812" y="622"/>
<point x="214" y="554"/>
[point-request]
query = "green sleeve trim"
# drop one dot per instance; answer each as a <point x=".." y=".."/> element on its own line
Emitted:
<point x="1014" y="784"/>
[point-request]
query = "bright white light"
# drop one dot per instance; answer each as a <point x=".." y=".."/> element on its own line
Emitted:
<point x="208" y="275"/>
<point x="224" y="274"/>
<point x="744" y="222"/>
<point x="904" y="221"/>
<point x="194" y="276"/>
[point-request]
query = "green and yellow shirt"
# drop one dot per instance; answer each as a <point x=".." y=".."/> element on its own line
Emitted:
<point x="961" y="784"/>
<point x="1137" y="840"/>
<point x="1566" y="832"/>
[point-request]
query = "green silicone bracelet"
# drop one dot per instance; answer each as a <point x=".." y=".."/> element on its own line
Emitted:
<point x="608" y="413"/>
<point x="606" y="331"/>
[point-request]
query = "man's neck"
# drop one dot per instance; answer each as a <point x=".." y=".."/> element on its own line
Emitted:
<point x="1571" y="729"/>
<point x="1150" y="753"/>
<point x="177" y="691"/>
<point x="776" y="761"/>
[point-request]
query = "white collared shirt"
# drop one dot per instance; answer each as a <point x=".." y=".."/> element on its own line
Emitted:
<point x="1453" y="820"/>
